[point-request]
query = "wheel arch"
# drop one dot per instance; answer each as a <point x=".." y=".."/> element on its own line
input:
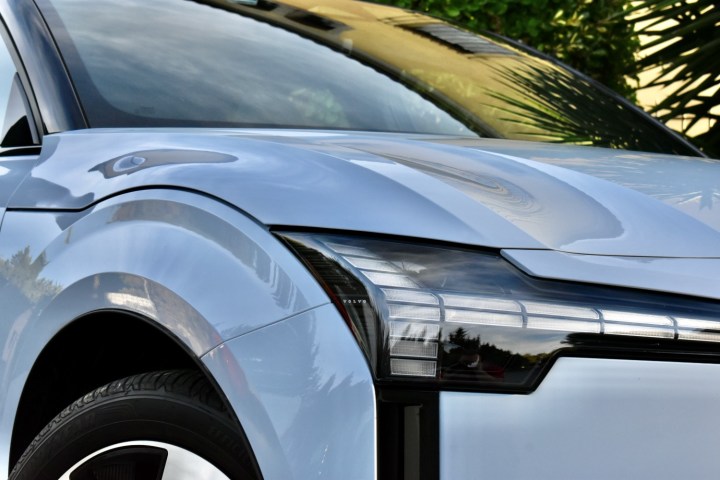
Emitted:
<point x="182" y="269"/>
<point x="124" y="344"/>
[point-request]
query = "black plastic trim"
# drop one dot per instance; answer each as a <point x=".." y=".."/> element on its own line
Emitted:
<point x="408" y="434"/>
<point x="29" y="100"/>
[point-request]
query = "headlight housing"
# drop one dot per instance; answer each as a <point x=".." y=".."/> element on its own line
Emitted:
<point x="451" y="317"/>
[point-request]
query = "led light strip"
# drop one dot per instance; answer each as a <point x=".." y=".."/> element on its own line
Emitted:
<point x="421" y="306"/>
<point x="415" y="316"/>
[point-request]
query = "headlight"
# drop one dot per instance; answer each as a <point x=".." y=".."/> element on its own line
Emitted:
<point x="459" y="318"/>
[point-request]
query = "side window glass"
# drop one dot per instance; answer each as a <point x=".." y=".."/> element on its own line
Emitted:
<point x="15" y="130"/>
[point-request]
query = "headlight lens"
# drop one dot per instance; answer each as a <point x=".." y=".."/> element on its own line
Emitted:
<point x="461" y="318"/>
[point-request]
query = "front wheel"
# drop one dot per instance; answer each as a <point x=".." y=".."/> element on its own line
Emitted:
<point x="154" y="426"/>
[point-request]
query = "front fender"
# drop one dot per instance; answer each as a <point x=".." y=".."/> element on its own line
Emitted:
<point x="305" y="395"/>
<point x="202" y="270"/>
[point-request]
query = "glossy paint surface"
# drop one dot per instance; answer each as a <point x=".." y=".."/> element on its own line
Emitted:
<point x="389" y="184"/>
<point x="689" y="184"/>
<point x="689" y="276"/>
<point x="306" y="397"/>
<point x="174" y="225"/>
<point x="78" y="238"/>
<point x="590" y="419"/>
<point x="198" y="268"/>
<point x="226" y="258"/>
<point x="13" y="169"/>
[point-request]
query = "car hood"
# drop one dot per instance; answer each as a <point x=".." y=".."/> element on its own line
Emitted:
<point x="491" y="193"/>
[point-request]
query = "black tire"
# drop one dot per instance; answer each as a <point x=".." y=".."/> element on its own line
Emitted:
<point x="178" y="408"/>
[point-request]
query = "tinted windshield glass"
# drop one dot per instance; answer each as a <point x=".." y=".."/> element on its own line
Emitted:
<point x="331" y="64"/>
<point x="169" y="62"/>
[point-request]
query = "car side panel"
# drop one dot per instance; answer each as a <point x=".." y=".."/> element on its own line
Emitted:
<point x="591" y="419"/>
<point x="200" y="269"/>
<point x="305" y="389"/>
<point x="13" y="170"/>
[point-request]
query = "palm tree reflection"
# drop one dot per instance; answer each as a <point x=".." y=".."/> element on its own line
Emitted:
<point x="547" y="104"/>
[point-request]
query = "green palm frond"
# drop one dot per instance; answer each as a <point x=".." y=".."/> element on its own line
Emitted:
<point x="685" y="45"/>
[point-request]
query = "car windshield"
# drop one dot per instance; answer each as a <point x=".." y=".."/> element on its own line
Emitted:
<point x="327" y="64"/>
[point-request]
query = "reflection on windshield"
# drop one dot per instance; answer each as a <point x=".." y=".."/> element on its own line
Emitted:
<point x="225" y="69"/>
<point x="549" y="105"/>
<point x="330" y="64"/>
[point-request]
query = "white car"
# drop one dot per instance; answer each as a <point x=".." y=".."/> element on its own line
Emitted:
<point x="327" y="239"/>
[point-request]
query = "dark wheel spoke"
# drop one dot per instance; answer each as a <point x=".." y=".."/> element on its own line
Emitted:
<point x="143" y="460"/>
